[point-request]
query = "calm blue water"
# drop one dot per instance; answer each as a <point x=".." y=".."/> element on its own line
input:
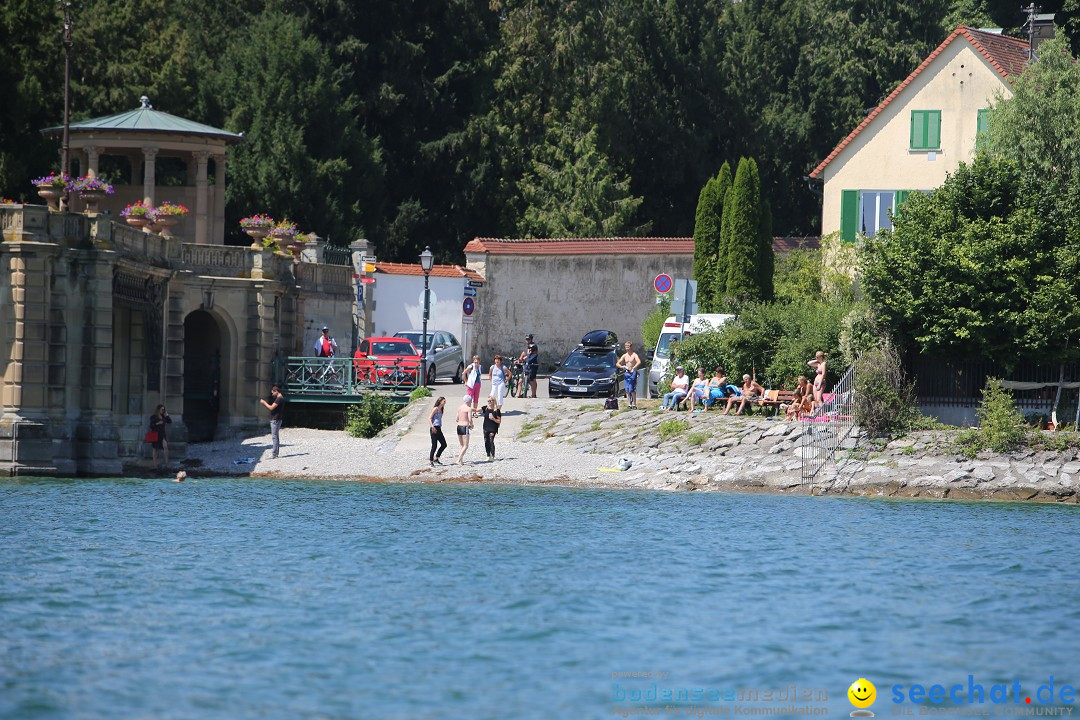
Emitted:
<point x="269" y="599"/>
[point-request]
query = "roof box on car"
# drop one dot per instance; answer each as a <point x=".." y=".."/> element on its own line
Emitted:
<point x="600" y="338"/>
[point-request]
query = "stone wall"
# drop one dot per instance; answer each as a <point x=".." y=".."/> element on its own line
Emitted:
<point x="558" y="298"/>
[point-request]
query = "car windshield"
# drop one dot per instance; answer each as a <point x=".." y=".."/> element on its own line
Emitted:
<point x="595" y="361"/>
<point x="389" y="347"/>
<point x="414" y="337"/>
<point x="663" y="348"/>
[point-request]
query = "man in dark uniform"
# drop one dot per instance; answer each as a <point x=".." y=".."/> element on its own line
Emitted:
<point x="532" y="363"/>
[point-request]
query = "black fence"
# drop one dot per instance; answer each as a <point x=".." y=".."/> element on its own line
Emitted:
<point x="960" y="383"/>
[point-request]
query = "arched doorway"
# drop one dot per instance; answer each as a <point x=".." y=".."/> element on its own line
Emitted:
<point x="202" y="375"/>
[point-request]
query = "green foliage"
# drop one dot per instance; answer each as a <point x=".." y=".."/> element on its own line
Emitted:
<point x="673" y="428"/>
<point x="798" y="275"/>
<point x="885" y="398"/>
<point x="742" y="227"/>
<point x="766" y="258"/>
<point x="654" y="323"/>
<point x="859" y="332"/>
<point x="370" y="416"/>
<point x="1001" y="426"/>
<point x="419" y="394"/>
<point x="571" y="190"/>
<point x="696" y="438"/>
<point x="976" y="269"/>
<point x="770" y="340"/>
<point x="706" y="240"/>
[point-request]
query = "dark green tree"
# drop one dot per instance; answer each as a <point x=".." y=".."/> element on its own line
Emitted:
<point x="742" y="219"/>
<point x="706" y="240"/>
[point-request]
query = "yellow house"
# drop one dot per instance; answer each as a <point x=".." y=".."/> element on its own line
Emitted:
<point x="919" y="133"/>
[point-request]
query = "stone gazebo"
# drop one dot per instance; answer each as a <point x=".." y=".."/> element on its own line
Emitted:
<point x="175" y="157"/>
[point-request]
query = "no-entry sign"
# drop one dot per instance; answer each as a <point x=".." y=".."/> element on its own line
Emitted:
<point x="662" y="283"/>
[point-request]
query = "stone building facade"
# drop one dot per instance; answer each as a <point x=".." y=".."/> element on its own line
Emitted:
<point x="100" y="322"/>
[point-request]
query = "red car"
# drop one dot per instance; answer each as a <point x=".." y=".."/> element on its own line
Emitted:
<point x="387" y="361"/>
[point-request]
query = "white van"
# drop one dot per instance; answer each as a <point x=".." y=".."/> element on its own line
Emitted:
<point x="675" y="330"/>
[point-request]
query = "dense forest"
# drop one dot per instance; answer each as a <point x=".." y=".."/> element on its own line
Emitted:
<point x="429" y="122"/>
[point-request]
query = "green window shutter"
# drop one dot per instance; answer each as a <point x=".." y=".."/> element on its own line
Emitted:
<point x="901" y="196"/>
<point x="925" y="129"/>
<point x="981" y="126"/>
<point x="849" y="214"/>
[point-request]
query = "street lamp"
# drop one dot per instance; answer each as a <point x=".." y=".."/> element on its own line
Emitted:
<point x="426" y="260"/>
<point x="66" y="149"/>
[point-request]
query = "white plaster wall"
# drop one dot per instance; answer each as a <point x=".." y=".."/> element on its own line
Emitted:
<point x="560" y="298"/>
<point x="959" y="82"/>
<point x="398" y="301"/>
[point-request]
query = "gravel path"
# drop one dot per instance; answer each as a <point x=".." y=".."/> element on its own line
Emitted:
<point x="401" y="453"/>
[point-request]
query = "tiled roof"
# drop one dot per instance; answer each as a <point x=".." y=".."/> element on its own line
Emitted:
<point x="786" y="244"/>
<point x="1007" y="55"/>
<point x="448" y="271"/>
<point x="147" y="120"/>
<point x="583" y="246"/>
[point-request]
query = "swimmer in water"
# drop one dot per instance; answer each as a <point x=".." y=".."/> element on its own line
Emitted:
<point x="180" y="476"/>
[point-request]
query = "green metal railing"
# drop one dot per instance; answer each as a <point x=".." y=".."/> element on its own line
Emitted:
<point x="319" y="379"/>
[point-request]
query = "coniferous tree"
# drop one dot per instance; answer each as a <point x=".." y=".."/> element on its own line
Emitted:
<point x="706" y="240"/>
<point x="742" y="218"/>
<point x="718" y="281"/>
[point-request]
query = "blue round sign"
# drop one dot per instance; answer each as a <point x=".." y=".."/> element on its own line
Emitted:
<point x="468" y="306"/>
<point x="662" y="283"/>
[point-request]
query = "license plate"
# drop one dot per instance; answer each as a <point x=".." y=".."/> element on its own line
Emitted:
<point x="577" y="389"/>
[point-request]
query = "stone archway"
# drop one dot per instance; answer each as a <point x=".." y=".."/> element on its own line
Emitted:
<point x="203" y="349"/>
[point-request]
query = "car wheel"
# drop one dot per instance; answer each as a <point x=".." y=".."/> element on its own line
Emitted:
<point x="459" y="378"/>
<point x="431" y="375"/>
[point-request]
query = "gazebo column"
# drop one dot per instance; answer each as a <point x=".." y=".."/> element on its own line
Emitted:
<point x="93" y="153"/>
<point x="201" y="190"/>
<point x="149" y="157"/>
<point x="219" y="199"/>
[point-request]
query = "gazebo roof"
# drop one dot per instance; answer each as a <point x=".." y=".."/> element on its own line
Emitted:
<point x="145" y="119"/>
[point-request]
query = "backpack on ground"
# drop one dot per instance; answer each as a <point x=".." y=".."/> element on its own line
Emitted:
<point x="612" y="403"/>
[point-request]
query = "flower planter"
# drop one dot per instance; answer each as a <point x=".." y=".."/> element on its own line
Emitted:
<point x="257" y="234"/>
<point x="137" y="222"/>
<point x="51" y="194"/>
<point x="91" y="198"/>
<point x="165" y="225"/>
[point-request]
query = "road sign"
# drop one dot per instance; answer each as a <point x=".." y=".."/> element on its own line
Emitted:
<point x="662" y="283"/>
<point x="368" y="267"/>
<point x="367" y="280"/>
<point x="468" y="306"/>
<point x="470" y="292"/>
<point x="468" y="320"/>
<point x="368" y="258"/>
<point x="476" y="283"/>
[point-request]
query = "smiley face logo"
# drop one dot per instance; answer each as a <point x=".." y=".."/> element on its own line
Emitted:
<point x="862" y="694"/>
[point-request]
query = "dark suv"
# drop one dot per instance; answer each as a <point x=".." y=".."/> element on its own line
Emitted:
<point x="589" y="370"/>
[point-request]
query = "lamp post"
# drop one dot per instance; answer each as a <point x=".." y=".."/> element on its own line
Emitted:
<point x="65" y="162"/>
<point x="426" y="260"/>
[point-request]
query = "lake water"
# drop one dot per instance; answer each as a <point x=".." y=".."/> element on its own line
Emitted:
<point x="270" y="599"/>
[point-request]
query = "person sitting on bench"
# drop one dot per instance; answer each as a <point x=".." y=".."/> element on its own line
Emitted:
<point x="749" y="392"/>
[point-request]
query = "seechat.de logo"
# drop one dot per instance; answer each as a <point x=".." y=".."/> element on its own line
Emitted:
<point x="862" y="694"/>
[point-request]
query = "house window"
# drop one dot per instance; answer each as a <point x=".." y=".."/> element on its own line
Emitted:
<point x="874" y="209"/>
<point x="925" y="129"/>
<point x="981" y="126"/>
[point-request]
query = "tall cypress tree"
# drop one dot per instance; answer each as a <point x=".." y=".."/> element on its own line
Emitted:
<point x="719" y="277"/>
<point x="742" y="217"/>
<point x="706" y="238"/>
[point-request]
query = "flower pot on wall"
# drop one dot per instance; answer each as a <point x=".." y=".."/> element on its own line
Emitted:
<point x="51" y="194"/>
<point x="165" y="225"/>
<point x="91" y="198"/>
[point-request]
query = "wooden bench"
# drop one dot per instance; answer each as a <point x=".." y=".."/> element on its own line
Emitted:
<point x="775" y="398"/>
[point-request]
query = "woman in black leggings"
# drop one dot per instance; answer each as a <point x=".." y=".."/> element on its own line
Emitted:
<point x="435" y="425"/>
<point x="492" y="420"/>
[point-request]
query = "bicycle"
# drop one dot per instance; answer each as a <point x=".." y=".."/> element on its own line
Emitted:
<point x="517" y="379"/>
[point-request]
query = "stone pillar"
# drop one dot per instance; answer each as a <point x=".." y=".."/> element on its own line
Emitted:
<point x="219" y="200"/>
<point x="149" y="158"/>
<point x="96" y="434"/>
<point x="25" y="435"/>
<point x="362" y="293"/>
<point x="93" y="153"/>
<point x="201" y="236"/>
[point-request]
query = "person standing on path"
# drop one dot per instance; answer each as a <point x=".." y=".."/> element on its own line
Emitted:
<point x="497" y="373"/>
<point x="532" y="364"/>
<point x="630" y="362"/>
<point x="464" y="427"/>
<point x="276" y="405"/>
<point x="492" y="420"/>
<point x="158" y="421"/>
<point x="438" y="440"/>
<point x="473" y="374"/>
<point x="325" y="344"/>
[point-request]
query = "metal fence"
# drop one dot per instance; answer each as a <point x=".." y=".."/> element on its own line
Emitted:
<point x="830" y="427"/>
<point x="960" y="383"/>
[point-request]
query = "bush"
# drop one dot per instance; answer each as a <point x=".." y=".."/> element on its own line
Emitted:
<point x="884" y="397"/>
<point x="1001" y="426"/>
<point x="371" y="416"/>
<point x="673" y="428"/>
<point x="654" y="323"/>
<point x="419" y="394"/>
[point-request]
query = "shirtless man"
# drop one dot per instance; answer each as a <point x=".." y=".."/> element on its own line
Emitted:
<point x="630" y="362"/>
<point x="464" y="426"/>
<point x="751" y="391"/>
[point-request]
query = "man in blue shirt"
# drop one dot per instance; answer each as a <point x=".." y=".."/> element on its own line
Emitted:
<point x="532" y="362"/>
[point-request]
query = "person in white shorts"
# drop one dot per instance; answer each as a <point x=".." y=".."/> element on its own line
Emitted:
<point x="497" y="373"/>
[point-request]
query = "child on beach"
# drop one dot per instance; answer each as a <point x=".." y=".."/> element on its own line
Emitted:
<point x="464" y="427"/>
